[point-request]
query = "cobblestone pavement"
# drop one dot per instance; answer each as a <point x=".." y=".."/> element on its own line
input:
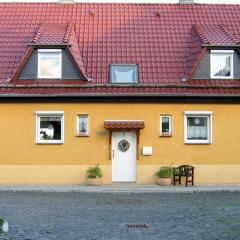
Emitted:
<point x="105" y="216"/>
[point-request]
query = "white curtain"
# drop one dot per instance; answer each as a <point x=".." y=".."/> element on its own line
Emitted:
<point x="197" y="128"/>
<point x="195" y="132"/>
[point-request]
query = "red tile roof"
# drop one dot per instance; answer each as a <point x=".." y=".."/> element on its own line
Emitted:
<point x="74" y="49"/>
<point x="158" y="37"/>
<point x="124" y="124"/>
<point x="52" y="33"/>
<point x="206" y="35"/>
<point x="217" y="35"/>
<point x="194" y="53"/>
<point x="60" y="33"/>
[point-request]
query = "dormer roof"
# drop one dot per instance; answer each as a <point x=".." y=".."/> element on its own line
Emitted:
<point x="166" y="41"/>
<point x="53" y="33"/>
<point x="215" y="35"/>
<point x="56" y="35"/>
<point x="203" y="37"/>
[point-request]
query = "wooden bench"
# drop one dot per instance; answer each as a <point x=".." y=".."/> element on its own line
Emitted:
<point x="186" y="171"/>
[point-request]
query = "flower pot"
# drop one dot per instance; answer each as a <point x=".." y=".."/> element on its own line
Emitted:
<point x="164" y="181"/>
<point x="3" y="226"/>
<point x="94" y="181"/>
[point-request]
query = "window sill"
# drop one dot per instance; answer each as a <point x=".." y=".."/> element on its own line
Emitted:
<point x="197" y="143"/>
<point x="49" y="78"/>
<point x="165" y="135"/>
<point x="124" y="84"/>
<point x="49" y="143"/>
<point x="82" y="135"/>
<point x="222" y="78"/>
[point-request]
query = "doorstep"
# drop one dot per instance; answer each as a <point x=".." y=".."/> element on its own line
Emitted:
<point x="119" y="188"/>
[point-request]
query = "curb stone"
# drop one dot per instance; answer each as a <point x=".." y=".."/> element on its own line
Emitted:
<point x="119" y="188"/>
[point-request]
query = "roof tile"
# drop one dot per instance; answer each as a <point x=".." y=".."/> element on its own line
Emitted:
<point x="120" y="33"/>
<point x="215" y="35"/>
<point x="124" y="124"/>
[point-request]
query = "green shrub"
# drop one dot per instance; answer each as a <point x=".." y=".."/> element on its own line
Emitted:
<point x="164" y="172"/>
<point x="1" y="222"/>
<point x="94" y="172"/>
<point x="3" y="227"/>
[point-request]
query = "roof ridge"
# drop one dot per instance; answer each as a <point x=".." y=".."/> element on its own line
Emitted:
<point x="38" y="34"/>
<point x="198" y="29"/>
<point x="68" y="32"/>
<point x="223" y="27"/>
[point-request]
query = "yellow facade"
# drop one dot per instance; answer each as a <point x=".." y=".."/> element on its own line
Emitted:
<point x="24" y="161"/>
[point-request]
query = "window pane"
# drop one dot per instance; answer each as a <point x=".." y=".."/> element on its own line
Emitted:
<point x="83" y="124"/>
<point x="165" y="125"/>
<point x="197" y="128"/>
<point x="49" y="65"/>
<point x="50" y="128"/>
<point x="123" y="74"/>
<point x="221" y="65"/>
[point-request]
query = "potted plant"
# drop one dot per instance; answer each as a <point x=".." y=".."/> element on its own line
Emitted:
<point x="3" y="226"/>
<point x="94" y="175"/>
<point x="164" y="175"/>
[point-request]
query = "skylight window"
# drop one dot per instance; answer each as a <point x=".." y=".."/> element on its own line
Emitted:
<point x="222" y="64"/>
<point x="49" y="63"/>
<point x="123" y="73"/>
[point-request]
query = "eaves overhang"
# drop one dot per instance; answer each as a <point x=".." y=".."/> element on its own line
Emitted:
<point x="114" y="95"/>
<point x="49" y="45"/>
<point x="124" y="124"/>
<point x="221" y="45"/>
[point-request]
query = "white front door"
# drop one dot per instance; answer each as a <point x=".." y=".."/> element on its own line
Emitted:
<point x="123" y="156"/>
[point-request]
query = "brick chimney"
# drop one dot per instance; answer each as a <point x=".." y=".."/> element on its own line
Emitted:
<point x="66" y="1"/>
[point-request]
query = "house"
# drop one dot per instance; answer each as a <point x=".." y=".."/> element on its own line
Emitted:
<point x="129" y="86"/>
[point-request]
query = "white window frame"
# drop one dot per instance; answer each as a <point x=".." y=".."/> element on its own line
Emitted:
<point x="207" y="114"/>
<point x="49" y="114"/>
<point x="122" y="65"/>
<point x="88" y="125"/>
<point x="218" y="53"/>
<point x="42" y="51"/>
<point x="162" y="134"/>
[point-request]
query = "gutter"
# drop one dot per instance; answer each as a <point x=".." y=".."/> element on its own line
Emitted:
<point x="198" y="86"/>
<point x="148" y="95"/>
<point x="235" y="46"/>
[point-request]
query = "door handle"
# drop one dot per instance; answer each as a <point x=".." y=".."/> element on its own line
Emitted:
<point x="112" y="153"/>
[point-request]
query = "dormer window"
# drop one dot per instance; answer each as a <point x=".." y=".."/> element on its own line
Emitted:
<point x="49" y="63"/>
<point x="222" y="64"/>
<point x="123" y="73"/>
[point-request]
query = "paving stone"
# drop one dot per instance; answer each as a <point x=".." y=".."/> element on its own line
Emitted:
<point x="103" y="216"/>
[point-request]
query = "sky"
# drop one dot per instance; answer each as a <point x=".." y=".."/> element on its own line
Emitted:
<point x="134" y="1"/>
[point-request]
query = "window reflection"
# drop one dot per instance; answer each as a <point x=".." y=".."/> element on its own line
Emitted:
<point x="124" y="73"/>
<point x="83" y="125"/>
